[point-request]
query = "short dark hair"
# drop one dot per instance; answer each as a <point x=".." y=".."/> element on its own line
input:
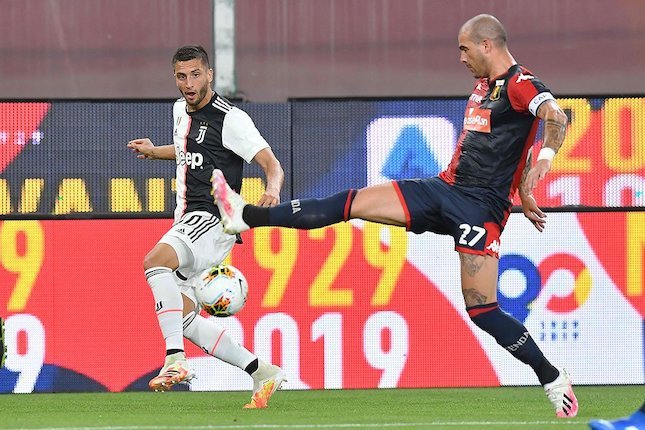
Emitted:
<point x="190" y="52"/>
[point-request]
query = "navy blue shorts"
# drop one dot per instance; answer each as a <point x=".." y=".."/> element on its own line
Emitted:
<point x="433" y="205"/>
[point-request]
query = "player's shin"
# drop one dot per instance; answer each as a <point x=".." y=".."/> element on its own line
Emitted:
<point x="168" y="306"/>
<point x="514" y="337"/>
<point x="303" y="214"/>
<point x="215" y="341"/>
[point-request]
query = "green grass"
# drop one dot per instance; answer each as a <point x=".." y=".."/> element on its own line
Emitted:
<point x="455" y="409"/>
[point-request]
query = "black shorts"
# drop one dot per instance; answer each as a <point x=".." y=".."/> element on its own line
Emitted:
<point x="433" y="205"/>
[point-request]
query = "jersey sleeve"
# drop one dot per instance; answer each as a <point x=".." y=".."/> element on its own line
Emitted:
<point x="240" y="135"/>
<point x="177" y="109"/>
<point x="526" y="92"/>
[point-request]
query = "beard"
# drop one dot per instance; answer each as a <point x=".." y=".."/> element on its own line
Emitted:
<point x="199" y="97"/>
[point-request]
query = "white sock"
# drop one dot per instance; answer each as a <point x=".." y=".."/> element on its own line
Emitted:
<point x="214" y="340"/>
<point x="168" y="305"/>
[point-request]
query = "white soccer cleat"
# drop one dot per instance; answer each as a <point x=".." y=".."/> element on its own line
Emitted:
<point x="266" y="380"/>
<point x="175" y="371"/>
<point x="230" y="204"/>
<point x="560" y="393"/>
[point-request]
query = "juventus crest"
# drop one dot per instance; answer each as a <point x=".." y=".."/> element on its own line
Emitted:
<point x="201" y="133"/>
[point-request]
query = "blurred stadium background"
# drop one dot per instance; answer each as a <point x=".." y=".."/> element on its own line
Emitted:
<point x="349" y="93"/>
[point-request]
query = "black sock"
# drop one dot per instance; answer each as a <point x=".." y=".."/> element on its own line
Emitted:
<point x="546" y="372"/>
<point x="514" y="337"/>
<point x="303" y="214"/>
<point x="173" y="351"/>
<point x="255" y="216"/>
<point x="252" y="367"/>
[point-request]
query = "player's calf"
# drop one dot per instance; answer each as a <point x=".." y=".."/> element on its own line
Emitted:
<point x="513" y="336"/>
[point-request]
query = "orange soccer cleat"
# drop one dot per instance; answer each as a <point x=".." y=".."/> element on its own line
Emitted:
<point x="266" y="380"/>
<point x="175" y="371"/>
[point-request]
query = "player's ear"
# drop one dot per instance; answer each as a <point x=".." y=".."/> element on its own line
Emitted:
<point x="487" y="45"/>
<point x="210" y="76"/>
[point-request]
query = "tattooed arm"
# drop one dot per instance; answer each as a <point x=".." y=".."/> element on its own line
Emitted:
<point x="555" y="126"/>
<point x="529" y="206"/>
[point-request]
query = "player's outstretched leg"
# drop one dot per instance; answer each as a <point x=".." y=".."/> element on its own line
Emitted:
<point x="306" y="214"/>
<point x="230" y="204"/>
<point x="560" y="393"/>
<point x="175" y="371"/>
<point x="266" y="380"/>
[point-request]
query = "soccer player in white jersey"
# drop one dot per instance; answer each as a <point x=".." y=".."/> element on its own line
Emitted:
<point x="209" y="133"/>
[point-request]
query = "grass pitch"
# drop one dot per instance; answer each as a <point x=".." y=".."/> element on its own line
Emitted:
<point x="455" y="409"/>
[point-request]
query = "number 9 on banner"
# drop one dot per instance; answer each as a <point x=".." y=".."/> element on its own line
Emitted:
<point x="22" y="252"/>
<point x="29" y="363"/>
<point x="390" y="359"/>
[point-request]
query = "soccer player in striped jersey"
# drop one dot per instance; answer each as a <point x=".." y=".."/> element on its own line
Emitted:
<point x="209" y="133"/>
<point x="470" y="200"/>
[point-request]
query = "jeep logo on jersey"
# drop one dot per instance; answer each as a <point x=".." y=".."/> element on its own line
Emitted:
<point x="201" y="134"/>
<point x="191" y="159"/>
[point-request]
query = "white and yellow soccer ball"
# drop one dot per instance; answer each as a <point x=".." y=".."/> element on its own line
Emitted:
<point x="222" y="290"/>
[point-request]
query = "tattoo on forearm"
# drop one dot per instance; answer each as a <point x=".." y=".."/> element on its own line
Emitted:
<point x="527" y="167"/>
<point x="471" y="263"/>
<point x="554" y="131"/>
<point x="472" y="297"/>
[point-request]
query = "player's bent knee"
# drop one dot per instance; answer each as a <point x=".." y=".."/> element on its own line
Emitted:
<point x="162" y="255"/>
<point x="190" y="306"/>
<point x="149" y="261"/>
<point x="474" y="312"/>
<point x="379" y="203"/>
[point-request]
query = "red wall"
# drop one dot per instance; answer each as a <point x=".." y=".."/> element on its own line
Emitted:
<point x="307" y="48"/>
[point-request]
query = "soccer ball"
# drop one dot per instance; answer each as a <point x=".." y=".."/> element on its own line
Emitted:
<point x="221" y="290"/>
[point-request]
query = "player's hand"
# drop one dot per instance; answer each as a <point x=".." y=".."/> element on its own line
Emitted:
<point x="142" y="147"/>
<point x="268" y="200"/>
<point x="532" y="211"/>
<point x="537" y="173"/>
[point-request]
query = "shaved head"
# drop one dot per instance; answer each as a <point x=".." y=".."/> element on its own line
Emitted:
<point x="483" y="27"/>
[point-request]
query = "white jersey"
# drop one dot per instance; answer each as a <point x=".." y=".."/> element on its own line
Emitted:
<point x="218" y="136"/>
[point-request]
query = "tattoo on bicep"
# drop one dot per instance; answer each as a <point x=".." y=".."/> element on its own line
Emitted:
<point x="471" y="264"/>
<point x="472" y="297"/>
